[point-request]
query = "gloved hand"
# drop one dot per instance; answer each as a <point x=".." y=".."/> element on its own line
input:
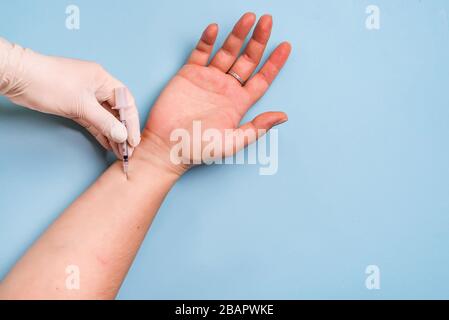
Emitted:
<point x="79" y="90"/>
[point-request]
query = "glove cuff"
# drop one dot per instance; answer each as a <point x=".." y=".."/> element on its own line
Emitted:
<point x="11" y="68"/>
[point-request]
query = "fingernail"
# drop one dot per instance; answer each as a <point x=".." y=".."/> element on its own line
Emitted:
<point x="134" y="140"/>
<point x="130" y="151"/>
<point x="118" y="133"/>
<point x="280" y="122"/>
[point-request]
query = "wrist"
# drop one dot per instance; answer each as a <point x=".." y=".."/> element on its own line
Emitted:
<point x="153" y="151"/>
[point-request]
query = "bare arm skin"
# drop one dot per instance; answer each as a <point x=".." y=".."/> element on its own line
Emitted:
<point x="100" y="233"/>
<point x="103" y="229"/>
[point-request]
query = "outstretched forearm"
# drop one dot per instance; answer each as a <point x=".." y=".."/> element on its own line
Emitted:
<point x="99" y="233"/>
<point x="102" y="230"/>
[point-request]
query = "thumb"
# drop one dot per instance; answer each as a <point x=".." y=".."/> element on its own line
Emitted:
<point x="106" y="93"/>
<point x="105" y="122"/>
<point x="253" y="130"/>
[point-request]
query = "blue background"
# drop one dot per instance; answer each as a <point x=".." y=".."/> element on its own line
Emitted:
<point x="363" y="162"/>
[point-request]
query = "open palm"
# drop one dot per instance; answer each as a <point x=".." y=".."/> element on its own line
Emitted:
<point x="207" y="92"/>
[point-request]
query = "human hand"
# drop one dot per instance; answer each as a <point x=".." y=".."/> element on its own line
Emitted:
<point x="205" y="92"/>
<point x="80" y="90"/>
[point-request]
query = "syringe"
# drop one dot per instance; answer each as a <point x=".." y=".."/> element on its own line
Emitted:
<point x="121" y="103"/>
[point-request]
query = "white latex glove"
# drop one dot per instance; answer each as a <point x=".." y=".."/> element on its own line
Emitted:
<point x="75" y="89"/>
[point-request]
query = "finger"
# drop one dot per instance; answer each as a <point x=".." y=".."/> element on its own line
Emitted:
<point x="259" y="83"/>
<point x="133" y="124"/>
<point x="225" y="57"/>
<point x="97" y="135"/>
<point x="116" y="149"/>
<point x="131" y="117"/>
<point x="106" y="93"/>
<point x="116" y="114"/>
<point x="201" y="53"/>
<point x="130" y="151"/>
<point x="105" y="122"/>
<point x="248" y="61"/>
<point x="253" y="130"/>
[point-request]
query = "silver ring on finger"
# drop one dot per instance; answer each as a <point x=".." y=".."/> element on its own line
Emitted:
<point x="236" y="77"/>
